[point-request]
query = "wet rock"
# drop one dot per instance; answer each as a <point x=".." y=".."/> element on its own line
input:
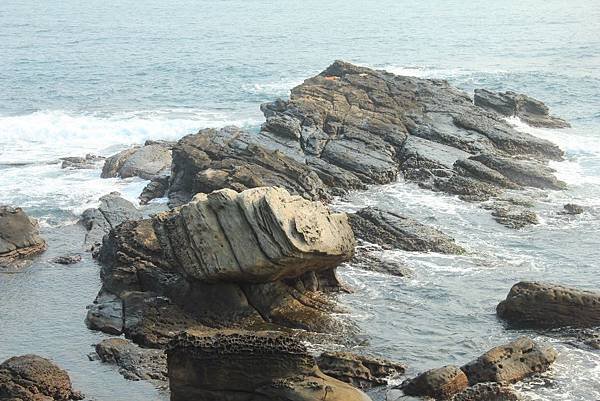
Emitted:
<point x="511" y="104"/>
<point x="543" y="305"/>
<point x="572" y="208"/>
<point x="513" y="216"/>
<point x="390" y="230"/>
<point x="19" y="237"/>
<point x="134" y="363"/>
<point x="112" y="211"/>
<point x="260" y="258"/>
<point x="440" y="383"/>
<point x="80" y="163"/>
<point x="148" y="161"/>
<point x="352" y="126"/>
<point x="156" y="188"/>
<point x="359" y="370"/>
<point x="488" y="392"/>
<point x="67" y="259"/>
<point x="510" y="363"/>
<point x="372" y="258"/>
<point x="106" y="314"/>
<point x="223" y="365"/>
<point x="33" y="378"/>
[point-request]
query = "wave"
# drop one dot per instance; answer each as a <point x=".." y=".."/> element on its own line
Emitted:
<point x="47" y="135"/>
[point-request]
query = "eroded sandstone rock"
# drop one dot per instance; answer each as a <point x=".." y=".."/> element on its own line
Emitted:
<point x="543" y="305"/>
<point x="241" y="366"/>
<point x="440" y="383"/>
<point x="19" y="237"/>
<point x="488" y="392"/>
<point x="33" y="378"/>
<point x="134" y="363"/>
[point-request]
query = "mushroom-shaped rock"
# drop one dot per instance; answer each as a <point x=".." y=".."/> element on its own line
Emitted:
<point x="33" y="378"/>
<point x="259" y="235"/>
<point x="510" y="363"/>
<point x="19" y="236"/>
<point x="241" y="365"/>
<point x="440" y="383"/>
<point x="543" y="305"/>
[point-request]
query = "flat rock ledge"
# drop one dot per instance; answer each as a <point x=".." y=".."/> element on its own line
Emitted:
<point x="501" y="365"/>
<point x="544" y="305"/>
<point x="241" y="365"/>
<point x="261" y="258"/>
<point x="19" y="238"/>
<point x="33" y="378"/>
<point x="351" y="126"/>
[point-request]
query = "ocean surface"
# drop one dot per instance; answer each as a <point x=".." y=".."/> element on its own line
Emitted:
<point x="94" y="77"/>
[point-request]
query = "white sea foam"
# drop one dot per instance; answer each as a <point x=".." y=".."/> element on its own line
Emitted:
<point x="280" y="88"/>
<point x="47" y="135"/>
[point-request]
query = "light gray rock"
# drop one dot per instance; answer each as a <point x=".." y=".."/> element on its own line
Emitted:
<point x="19" y="237"/>
<point x="146" y="162"/>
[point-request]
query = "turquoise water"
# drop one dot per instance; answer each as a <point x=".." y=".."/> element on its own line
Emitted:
<point x="79" y="77"/>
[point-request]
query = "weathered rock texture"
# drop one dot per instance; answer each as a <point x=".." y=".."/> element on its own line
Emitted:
<point x="249" y="366"/>
<point x="352" y="126"/>
<point x="542" y="305"/>
<point x="148" y="161"/>
<point x="390" y="230"/>
<point x="511" y="104"/>
<point x="134" y="363"/>
<point x="259" y="258"/>
<point x="359" y="370"/>
<point x="19" y="236"/>
<point x="440" y="383"/>
<point x="488" y="392"/>
<point x="33" y="378"/>
<point x="510" y="363"/>
<point x="112" y="211"/>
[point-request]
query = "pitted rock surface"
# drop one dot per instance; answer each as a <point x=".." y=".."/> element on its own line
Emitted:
<point x="440" y="383"/>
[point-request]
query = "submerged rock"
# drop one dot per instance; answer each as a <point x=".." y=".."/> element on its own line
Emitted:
<point x="512" y="216"/>
<point x="440" y="383"/>
<point x="240" y="365"/>
<point x="390" y="230"/>
<point x="19" y="237"/>
<point x="511" y="104"/>
<point x="359" y="370"/>
<point x="81" y="163"/>
<point x="112" y="211"/>
<point x="134" y="363"/>
<point x="351" y="126"/>
<point x="67" y="259"/>
<point x="510" y="363"/>
<point x="33" y="378"/>
<point x="572" y="208"/>
<point x="148" y="161"/>
<point x="259" y="258"/>
<point x="543" y="305"/>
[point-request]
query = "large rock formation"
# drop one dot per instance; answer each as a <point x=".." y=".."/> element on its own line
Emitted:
<point x="359" y="370"/>
<point x="510" y="363"/>
<point x="542" y="305"/>
<point x="19" y="237"/>
<point x="351" y="126"/>
<point x="511" y="104"/>
<point x="249" y="366"/>
<point x="148" y="161"/>
<point x="33" y="378"/>
<point x="259" y="258"/>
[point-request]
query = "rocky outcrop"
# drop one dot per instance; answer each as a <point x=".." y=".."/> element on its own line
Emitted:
<point x="134" y="363"/>
<point x="440" y="383"/>
<point x="259" y="258"/>
<point x="393" y="231"/>
<point x="510" y="363"/>
<point x="223" y="365"/>
<point x="359" y="370"/>
<point x="148" y="161"/>
<point x="81" y="163"/>
<point x="511" y="104"/>
<point x="112" y="211"/>
<point x="542" y="305"/>
<point x="488" y="392"/>
<point x="19" y="237"/>
<point x="33" y="378"/>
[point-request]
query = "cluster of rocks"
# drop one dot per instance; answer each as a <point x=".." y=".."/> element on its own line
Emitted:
<point x="490" y="373"/>
<point x="33" y="378"/>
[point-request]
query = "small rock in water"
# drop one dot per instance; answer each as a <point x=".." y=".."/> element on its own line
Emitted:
<point x="572" y="208"/>
<point x="488" y="392"/>
<point x="67" y="259"/>
<point x="438" y="383"/>
<point x="79" y="163"/>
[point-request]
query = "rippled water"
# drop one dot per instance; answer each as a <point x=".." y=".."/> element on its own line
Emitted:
<point x="79" y="77"/>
